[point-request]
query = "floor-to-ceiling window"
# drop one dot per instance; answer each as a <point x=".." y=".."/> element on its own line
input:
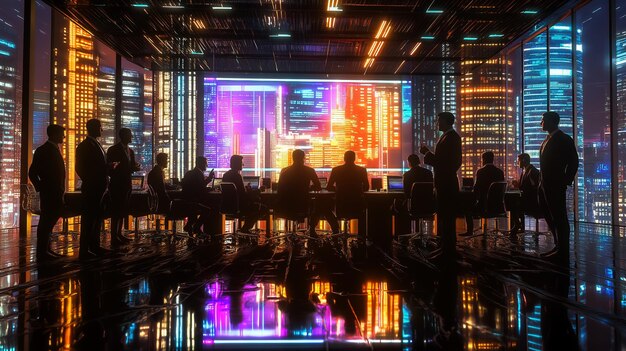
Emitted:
<point x="593" y="106"/>
<point x="11" y="48"/>
<point x="620" y="107"/>
<point x="514" y="94"/>
<point x="534" y="93"/>
<point x="134" y="115"/>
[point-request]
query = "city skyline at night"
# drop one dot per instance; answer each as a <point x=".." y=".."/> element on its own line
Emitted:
<point x="264" y="122"/>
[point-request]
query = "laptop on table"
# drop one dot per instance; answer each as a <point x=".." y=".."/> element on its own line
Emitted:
<point x="395" y="184"/>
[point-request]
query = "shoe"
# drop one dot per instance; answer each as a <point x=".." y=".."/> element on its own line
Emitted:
<point x="46" y="257"/>
<point x="58" y="255"/>
<point x="86" y="255"/>
<point x="466" y="234"/>
<point x="553" y="252"/>
<point x="101" y="251"/>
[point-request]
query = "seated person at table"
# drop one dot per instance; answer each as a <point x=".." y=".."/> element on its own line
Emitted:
<point x="486" y="175"/>
<point x="156" y="179"/>
<point x="528" y="184"/>
<point x="247" y="205"/>
<point x="195" y="190"/>
<point x="415" y="174"/>
<point x="293" y="189"/>
<point x="349" y="181"/>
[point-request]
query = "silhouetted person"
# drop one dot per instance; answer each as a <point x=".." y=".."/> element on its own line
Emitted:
<point x="558" y="162"/>
<point x="446" y="161"/>
<point x="47" y="173"/>
<point x="247" y="206"/>
<point x="415" y="174"/>
<point x="91" y="167"/>
<point x="485" y="176"/>
<point x="349" y="181"/>
<point x="294" y="184"/>
<point x="195" y="191"/>
<point x="121" y="160"/>
<point x="528" y="184"/>
<point x="156" y="179"/>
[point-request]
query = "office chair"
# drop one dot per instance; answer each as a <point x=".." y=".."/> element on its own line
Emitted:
<point x="349" y="205"/>
<point x="293" y="211"/>
<point x="421" y="205"/>
<point x="143" y="204"/>
<point x="229" y="208"/>
<point x="495" y="207"/>
<point x="179" y="210"/>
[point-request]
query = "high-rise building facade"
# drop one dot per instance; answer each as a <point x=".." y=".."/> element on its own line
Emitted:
<point x="484" y="123"/>
<point x="74" y="86"/>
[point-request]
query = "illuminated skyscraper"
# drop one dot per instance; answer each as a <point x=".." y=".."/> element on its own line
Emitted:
<point x="484" y="123"/>
<point x="361" y="126"/>
<point x="175" y="114"/>
<point x="74" y="86"/>
<point x="133" y="115"/>
<point x="10" y="123"/>
<point x="427" y="96"/>
<point x="106" y="105"/>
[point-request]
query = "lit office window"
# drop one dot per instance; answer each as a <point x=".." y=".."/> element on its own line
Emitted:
<point x="535" y="93"/>
<point x="137" y="112"/>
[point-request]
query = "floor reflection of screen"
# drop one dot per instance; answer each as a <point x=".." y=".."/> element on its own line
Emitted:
<point x="265" y="120"/>
<point x="261" y="313"/>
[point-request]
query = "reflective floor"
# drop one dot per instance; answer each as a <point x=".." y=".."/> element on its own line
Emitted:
<point x="337" y="293"/>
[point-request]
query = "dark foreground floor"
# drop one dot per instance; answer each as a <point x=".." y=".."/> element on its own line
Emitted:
<point x="331" y="293"/>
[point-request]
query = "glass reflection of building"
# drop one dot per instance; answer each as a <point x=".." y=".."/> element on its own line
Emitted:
<point x="10" y="122"/>
<point x="74" y="86"/>
<point x="133" y="114"/>
<point x="620" y="105"/>
<point x="106" y="105"/>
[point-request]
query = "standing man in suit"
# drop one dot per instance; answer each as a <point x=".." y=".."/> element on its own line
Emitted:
<point x="47" y="173"/>
<point x="156" y="179"/>
<point x="446" y="161"/>
<point x="528" y="184"/>
<point x="415" y="174"/>
<point x="485" y="176"/>
<point x="121" y="161"/>
<point x="91" y="167"/>
<point x="558" y="162"/>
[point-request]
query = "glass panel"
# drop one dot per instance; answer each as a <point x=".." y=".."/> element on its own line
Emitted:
<point x="514" y="91"/>
<point x="134" y="115"/>
<point x="11" y="33"/>
<point x="593" y="105"/>
<point x="105" y="91"/>
<point x="620" y="104"/>
<point x="41" y="98"/>
<point x="562" y="90"/>
<point x="535" y="94"/>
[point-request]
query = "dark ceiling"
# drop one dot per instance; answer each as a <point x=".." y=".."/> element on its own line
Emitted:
<point x="382" y="37"/>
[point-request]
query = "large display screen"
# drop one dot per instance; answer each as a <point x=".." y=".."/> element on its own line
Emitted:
<point x="264" y="120"/>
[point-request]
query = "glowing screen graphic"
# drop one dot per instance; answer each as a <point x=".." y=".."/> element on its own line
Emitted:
<point x="264" y="120"/>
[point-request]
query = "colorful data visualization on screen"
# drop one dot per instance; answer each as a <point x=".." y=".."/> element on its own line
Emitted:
<point x="264" y="120"/>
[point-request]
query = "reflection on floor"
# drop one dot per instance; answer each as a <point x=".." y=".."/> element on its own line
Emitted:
<point x="328" y="293"/>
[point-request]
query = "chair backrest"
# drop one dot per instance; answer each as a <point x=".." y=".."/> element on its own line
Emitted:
<point x="291" y="204"/>
<point x="495" y="199"/>
<point x="30" y="199"/>
<point x="229" y="203"/>
<point x="349" y="201"/>
<point x="153" y="199"/>
<point x="422" y="202"/>
<point x="180" y="209"/>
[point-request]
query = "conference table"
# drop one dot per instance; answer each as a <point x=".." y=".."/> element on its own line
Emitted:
<point x="380" y="223"/>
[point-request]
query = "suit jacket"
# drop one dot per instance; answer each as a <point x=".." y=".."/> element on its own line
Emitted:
<point x="91" y="166"/>
<point x="528" y="184"/>
<point x="156" y="179"/>
<point x="194" y="185"/>
<point x="558" y="161"/>
<point x="484" y="177"/>
<point x="446" y="161"/>
<point x="47" y="173"/>
<point x="415" y="174"/>
<point x="235" y="177"/>
<point x="121" y="176"/>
